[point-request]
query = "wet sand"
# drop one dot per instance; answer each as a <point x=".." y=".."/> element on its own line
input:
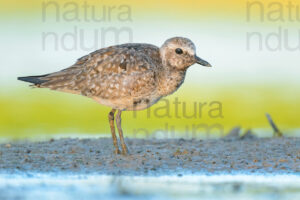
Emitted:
<point x="153" y="156"/>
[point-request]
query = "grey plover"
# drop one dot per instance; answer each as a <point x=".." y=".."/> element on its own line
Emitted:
<point x="125" y="77"/>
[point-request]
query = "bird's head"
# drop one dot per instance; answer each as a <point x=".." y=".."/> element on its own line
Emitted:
<point x="180" y="53"/>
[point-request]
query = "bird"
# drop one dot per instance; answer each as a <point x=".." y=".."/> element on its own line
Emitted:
<point x="125" y="77"/>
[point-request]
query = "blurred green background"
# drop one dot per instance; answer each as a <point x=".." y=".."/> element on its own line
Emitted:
<point x="255" y="70"/>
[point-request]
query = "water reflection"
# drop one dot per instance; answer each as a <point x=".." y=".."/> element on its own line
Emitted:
<point x="42" y="186"/>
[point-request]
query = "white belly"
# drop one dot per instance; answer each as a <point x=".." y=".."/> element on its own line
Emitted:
<point x="128" y="103"/>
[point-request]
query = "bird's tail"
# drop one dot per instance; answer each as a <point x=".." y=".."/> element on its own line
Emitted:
<point x="62" y="80"/>
<point x="36" y="80"/>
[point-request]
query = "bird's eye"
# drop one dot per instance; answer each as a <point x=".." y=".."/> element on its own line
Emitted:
<point x="179" y="51"/>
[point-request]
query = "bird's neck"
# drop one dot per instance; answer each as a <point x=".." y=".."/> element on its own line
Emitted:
<point x="170" y="81"/>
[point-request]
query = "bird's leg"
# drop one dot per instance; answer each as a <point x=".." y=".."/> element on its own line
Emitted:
<point x="113" y="132"/>
<point x="118" y="121"/>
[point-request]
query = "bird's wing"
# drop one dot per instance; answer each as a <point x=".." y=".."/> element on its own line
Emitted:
<point x="113" y="72"/>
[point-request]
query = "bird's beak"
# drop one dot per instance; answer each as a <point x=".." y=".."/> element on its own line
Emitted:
<point x="202" y="62"/>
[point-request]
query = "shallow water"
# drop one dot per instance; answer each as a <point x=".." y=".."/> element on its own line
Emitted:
<point x="239" y="186"/>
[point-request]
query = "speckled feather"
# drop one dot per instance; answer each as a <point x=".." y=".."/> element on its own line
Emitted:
<point x="128" y="76"/>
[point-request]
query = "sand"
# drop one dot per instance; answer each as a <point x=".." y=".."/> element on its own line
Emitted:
<point x="153" y="156"/>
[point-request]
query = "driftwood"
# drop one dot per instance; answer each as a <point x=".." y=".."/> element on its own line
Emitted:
<point x="277" y="132"/>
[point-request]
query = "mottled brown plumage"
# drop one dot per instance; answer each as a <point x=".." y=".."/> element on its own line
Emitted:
<point x="125" y="77"/>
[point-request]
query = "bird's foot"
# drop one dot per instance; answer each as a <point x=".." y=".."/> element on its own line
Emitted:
<point x="117" y="151"/>
<point x="125" y="150"/>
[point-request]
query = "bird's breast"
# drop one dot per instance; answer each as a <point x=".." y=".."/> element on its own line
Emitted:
<point x="170" y="82"/>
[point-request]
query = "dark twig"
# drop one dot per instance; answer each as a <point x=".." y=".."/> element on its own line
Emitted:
<point x="277" y="132"/>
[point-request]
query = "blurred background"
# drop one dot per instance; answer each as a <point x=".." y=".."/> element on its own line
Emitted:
<point x="253" y="46"/>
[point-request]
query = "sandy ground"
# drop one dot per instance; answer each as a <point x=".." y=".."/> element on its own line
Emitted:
<point x="153" y="157"/>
